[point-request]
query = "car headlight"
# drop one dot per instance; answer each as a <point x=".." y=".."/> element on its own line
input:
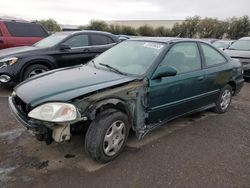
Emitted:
<point x="8" y="61"/>
<point x="55" y="112"/>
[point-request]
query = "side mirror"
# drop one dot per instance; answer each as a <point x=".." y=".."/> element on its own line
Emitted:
<point x="64" y="47"/>
<point x="164" y="71"/>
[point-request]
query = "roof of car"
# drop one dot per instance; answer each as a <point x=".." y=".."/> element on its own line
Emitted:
<point x="225" y="41"/>
<point x="164" y="39"/>
<point x="245" y="38"/>
<point x="88" y="31"/>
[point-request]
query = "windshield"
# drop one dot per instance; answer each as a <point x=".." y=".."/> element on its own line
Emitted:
<point x="130" y="57"/>
<point x="52" y="40"/>
<point x="221" y="44"/>
<point x="241" y="45"/>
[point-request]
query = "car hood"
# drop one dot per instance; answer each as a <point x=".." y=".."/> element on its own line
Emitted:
<point x="19" y="51"/>
<point x="68" y="83"/>
<point x="238" y="53"/>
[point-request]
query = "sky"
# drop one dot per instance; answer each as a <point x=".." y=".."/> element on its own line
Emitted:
<point x="80" y="12"/>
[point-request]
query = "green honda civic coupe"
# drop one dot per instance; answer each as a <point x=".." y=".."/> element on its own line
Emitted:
<point x="139" y="85"/>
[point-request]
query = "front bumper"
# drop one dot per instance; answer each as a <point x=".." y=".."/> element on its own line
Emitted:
<point x="28" y="124"/>
<point x="13" y="73"/>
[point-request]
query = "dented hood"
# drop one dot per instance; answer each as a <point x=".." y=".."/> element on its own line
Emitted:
<point x="67" y="84"/>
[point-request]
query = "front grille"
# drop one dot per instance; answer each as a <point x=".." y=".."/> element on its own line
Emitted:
<point x="21" y="106"/>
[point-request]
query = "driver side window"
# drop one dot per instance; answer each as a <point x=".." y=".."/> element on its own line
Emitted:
<point x="184" y="57"/>
<point x="77" y="41"/>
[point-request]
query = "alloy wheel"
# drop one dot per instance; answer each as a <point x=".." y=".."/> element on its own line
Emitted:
<point x="114" y="138"/>
<point x="225" y="99"/>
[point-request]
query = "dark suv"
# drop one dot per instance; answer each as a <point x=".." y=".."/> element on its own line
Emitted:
<point x="139" y="84"/>
<point x="58" y="50"/>
<point x="20" y="33"/>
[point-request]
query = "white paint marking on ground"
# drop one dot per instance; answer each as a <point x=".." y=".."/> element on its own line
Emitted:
<point x="155" y="135"/>
<point x="90" y="166"/>
<point x="4" y="174"/>
<point x="12" y="134"/>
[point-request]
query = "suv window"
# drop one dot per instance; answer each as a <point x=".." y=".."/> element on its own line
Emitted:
<point x="78" y="41"/>
<point x="184" y="57"/>
<point x="18" y="29"/>
<point x="100" y="40"/>
<point x="212" y="56"/>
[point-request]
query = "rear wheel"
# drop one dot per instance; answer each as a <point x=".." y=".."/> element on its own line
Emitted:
<point x="224" y="99"/>
<point x="247" y="79"/>
<point x="107" y="136"/>
<point x="34" y="70"/>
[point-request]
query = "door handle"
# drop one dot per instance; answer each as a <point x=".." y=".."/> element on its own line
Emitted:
<point x="200" y="78"/>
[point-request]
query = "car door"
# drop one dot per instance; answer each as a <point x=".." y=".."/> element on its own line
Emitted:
<point x="216" y="70"/>
<point x="100" y="43"/>
<point x="77" y="51"/>
<point x="2" y="39"/>
<point x="23" y="34"/>
<point x="170" y="97"/>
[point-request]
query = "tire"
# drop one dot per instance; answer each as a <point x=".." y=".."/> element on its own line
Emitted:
<point x="224" y="100"/>
<point x="33" y="70"/>
<point x="112" y="126"/>
<point x="247" y="80"/>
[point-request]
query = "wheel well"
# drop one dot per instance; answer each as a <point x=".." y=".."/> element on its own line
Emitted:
<point x="233" y="85"/>
<point x="44" y="63"/>
<point x="119" y="106"/>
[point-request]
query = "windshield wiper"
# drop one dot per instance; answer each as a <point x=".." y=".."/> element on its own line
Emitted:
<point x="112" y="68"/>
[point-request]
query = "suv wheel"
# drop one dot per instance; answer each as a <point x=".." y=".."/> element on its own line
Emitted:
<point x="224" y="99"/>
<point x="107" y="135"/>
<point x="247" y="79"/>
<point x="34" y="70"/>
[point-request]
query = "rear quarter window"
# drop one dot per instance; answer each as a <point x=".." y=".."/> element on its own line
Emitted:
<point x="17" y="29"/>
<point x="212" y="56"/>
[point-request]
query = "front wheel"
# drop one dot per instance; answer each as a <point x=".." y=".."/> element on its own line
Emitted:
<point x="224" y="99"/>
<point x="34" y="70"/>
<point x="107" y="136"/>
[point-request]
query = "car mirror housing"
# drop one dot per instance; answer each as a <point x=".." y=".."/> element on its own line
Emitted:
<point x="64" y="47"/>
<point x="164" y="71"/>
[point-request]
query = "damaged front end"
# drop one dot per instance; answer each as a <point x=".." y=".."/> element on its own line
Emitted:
<point x="130" y="98"/>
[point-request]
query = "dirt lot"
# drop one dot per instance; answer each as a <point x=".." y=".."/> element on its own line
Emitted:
<point x="203" y="150"/>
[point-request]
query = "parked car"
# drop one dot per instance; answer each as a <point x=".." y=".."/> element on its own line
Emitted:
<point x="209" y="40"/>
<point x="56" y="51"/>
<point x="223" y="44"/>
<point x="123" y="37"/>
<point x="140" y="84"/>
<point x="240" y="50"/>
<point x="15" y="33"/>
